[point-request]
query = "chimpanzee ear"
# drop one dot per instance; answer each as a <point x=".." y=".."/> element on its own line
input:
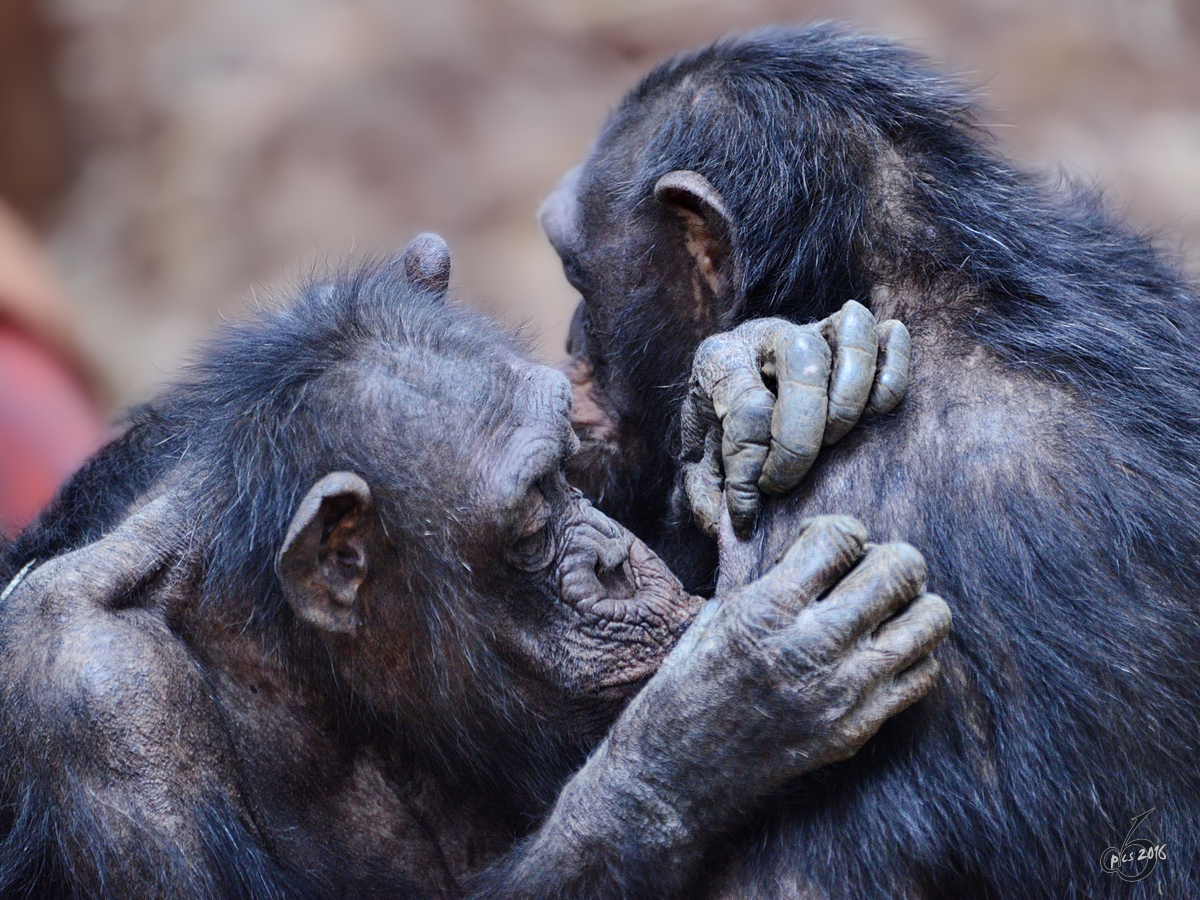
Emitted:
<point x="427" y="263"/>
<point x="325" y="556"/>
<point x="709" y="228"/>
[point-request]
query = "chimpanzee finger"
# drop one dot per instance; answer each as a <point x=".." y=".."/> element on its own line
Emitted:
<point x="744" y="406"/>
<point x="702" y="482"/>
<point x="855" y="344"/>
<point x="825" y="551"/>
<point x="802" y="360"/>
<point x="727" y="375"/>
<point x="887" y="579"/>
<point x="891" y="376"/>
<point x="893" y="696"/>
<point x="905" y="638"/>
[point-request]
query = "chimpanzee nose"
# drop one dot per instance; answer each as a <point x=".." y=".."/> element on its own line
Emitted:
<point x="616" y="582"/>
<point x="598" y="567"/>
<point x="612" y="557"/>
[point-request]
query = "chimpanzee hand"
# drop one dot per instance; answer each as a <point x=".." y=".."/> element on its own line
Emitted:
<point x="826" y="375"/>
<point x="787" y="674"/>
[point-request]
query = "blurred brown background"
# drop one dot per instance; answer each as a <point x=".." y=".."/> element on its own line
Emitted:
<point x="181" y="157"/>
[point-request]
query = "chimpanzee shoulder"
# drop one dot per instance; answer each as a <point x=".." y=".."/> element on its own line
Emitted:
<point x="356" y="629"/>
<point x="870" y="170"/>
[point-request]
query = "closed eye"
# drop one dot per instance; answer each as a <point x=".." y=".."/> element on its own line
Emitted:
<point x="533" y="553"/>
<point x="534" y="548"/>
<point x="536" y="516"/>
<point x="575" y="273"/>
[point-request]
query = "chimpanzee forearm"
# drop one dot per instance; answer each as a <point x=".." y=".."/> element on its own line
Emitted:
<point x="609" y="835"/>
<point x="764" y="686"/>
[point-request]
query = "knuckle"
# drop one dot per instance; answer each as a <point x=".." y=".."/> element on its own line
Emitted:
<point x="762" y="333"/>
<point x="904" y="560"/>
<point x="854" y="308"/>
<point x="804" y="343"/>
<point x="857" y="322"/>
<point x="807" y="657"/>
<point x="742" y="467"/>
<point x="937" y="611"/>
<point x="932" y="670"/>
<point x="836" y="714"/>
<point x="750" y="413"/>
<point x="764" y="614"/>
<point x="803" y="360"/>
<point x="916" y="682"/>
<point x="709" y="364"/>
<point x="714" y="346"/>
<point x="838" y="528"/>
<point x="783" y="469"/>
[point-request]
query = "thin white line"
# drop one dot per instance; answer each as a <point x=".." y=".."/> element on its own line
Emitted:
<point x="17" y="579"/>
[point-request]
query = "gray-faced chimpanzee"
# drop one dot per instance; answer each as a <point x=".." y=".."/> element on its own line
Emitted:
<point x="1046" y="458"/>
<point x="327" y="621"/>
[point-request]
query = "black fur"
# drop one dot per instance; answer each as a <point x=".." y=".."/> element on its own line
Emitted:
<point x="250" y="420"/>
<point x="40" y="843"/>
<point x="1068" y="551"/>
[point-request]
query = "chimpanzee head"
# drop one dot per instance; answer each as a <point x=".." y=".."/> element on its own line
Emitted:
<point x="437" y="545"/>
<point x="763" y="175"/>
<point x="371" y="481"/>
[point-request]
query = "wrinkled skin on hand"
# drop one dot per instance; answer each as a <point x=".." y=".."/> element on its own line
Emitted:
<point x="790" y="673"/>
<point x="737" y="430"/>
<point x="662" y="288"/>
<point x="830" y="643"/>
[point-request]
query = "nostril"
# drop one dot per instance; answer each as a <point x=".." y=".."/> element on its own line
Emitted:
<point x="617" y="582"/>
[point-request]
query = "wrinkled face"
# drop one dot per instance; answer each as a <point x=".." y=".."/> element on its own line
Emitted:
<point x="585" y="607"/>
<point x="504" y="591"/>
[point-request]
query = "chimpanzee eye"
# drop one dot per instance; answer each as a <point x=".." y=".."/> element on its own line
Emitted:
<point x="533" y="553"/>
<point x="534" y="548"/>
<point x="575" y="273"/>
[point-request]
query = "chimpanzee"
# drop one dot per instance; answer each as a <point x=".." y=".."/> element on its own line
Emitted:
<point x="1046" y="457"/>
<point x="327" y="621"/>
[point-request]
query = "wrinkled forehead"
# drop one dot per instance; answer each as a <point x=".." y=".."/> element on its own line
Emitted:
<point x="499" y="422"/>
<point x="533" y="439"/>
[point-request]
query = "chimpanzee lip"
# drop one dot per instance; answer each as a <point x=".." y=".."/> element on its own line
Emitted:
<point x="630" y="610"/>
<point x="652" y="604"/>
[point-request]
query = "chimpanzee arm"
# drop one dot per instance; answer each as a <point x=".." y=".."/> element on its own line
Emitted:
<point x="826" y="377"/>
<point x="116" y="774"/>
<point x="765" y="686"/>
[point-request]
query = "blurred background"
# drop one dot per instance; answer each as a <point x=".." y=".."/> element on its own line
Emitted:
<point x="164" y="163"/>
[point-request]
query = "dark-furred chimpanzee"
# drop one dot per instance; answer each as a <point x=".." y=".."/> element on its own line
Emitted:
<point x="327" y="621"/>
<point x="1046" y="458"/>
